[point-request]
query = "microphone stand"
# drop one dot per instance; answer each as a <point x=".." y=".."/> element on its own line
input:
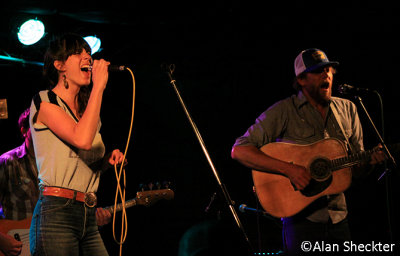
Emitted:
<point x="381" y="140"/>
<point x="170" y="70"/>
<point x="390" y="156"/>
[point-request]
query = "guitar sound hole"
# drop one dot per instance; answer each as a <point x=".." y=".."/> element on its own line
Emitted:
<point x="320" y="169"/>
<point x="321" y="174"/>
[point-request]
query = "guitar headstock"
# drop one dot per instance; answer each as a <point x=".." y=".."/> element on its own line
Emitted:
<point x="151" y="196"/>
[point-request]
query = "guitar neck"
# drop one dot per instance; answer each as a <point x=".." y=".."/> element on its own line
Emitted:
<point x="145" y="198"/>
<point x="351" y="160"/>
<point x="119" y="206"/>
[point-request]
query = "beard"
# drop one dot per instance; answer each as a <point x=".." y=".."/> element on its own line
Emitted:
<point x="319" y="94"/>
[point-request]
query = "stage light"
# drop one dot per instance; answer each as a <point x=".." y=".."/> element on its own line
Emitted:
<point x="94" y="43"/>
<point x="31" y="32"/>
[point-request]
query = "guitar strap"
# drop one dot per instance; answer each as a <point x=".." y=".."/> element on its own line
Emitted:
<point x="339" y="121"/>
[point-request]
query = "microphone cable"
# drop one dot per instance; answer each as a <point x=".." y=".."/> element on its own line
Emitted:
<point x="121" y="191"/>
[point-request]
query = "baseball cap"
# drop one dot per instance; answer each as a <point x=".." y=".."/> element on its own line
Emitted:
<point x="311" y="59"/>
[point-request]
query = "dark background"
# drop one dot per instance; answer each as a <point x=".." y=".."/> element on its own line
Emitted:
<point x="233" y="60"/>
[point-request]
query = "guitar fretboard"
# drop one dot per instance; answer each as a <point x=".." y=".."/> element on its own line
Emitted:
<point x="128" y="204"/>
<point x="351" y="160"/>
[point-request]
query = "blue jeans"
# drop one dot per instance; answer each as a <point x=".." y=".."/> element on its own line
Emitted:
<point x="62" y="226"/>
<point x="296" y="231"/>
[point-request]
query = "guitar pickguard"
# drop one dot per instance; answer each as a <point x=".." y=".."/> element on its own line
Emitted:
<point x="315" y="187"/>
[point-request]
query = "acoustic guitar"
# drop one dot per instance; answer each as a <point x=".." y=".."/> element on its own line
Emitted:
<point x="326" y="160"/>
<point x="19" y="229"/>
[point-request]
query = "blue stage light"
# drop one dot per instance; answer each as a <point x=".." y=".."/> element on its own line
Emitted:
<point x="31" y="32"/>
<point x="94" y="43"/>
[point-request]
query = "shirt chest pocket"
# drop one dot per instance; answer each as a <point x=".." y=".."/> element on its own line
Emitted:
<point x="300" y="129"/>
<point x="22" y="188"/>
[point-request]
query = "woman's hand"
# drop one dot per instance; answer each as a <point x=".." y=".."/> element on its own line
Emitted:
<point x="100" y="74"/>
<point x="116" y="157"/>
<point x="103" y="216"/>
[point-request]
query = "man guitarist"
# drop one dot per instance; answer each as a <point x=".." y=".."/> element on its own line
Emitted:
<point x="306" y="118"/>
<point x="19" y="190"/>
<point x="18" y="184"/>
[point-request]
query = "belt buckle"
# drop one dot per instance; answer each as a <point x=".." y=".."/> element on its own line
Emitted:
<point x="90" y="199"/>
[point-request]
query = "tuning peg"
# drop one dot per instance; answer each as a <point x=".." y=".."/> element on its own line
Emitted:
<point x="166" y="184"/>
<point x="142" y="187"/>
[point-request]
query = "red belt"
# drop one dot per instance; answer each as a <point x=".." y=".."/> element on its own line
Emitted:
<point x="88" y="198"/>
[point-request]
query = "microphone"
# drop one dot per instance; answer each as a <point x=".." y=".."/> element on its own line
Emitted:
<point x="111" y="68"/>
<point x="349" y="89"/>
<point x="244" y="208"/>
<point x="168" y="68"/>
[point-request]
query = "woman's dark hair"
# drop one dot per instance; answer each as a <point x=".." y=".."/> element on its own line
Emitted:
<point x="60" y="49"/>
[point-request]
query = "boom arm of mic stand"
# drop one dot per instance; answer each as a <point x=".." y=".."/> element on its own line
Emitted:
<point x="202" y="144"/>
<point x="385" y="148"/>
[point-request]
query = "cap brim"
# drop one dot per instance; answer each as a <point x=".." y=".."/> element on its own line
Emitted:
<point x="322" y="64"/>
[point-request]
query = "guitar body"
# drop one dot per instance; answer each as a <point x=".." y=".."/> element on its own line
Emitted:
<point x="278" y="195"/>
<point x="20" y="228"/>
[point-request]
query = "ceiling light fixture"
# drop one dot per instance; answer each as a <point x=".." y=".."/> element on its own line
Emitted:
<point x="94" y="43"/>
<point x="31" y="32"/>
